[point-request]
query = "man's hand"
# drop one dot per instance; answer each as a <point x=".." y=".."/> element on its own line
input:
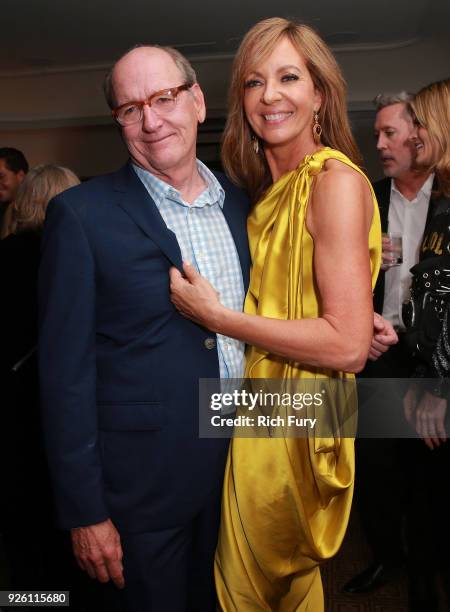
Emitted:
<point x="430" y="420"/>
<point x="98" y="551"/>
<point x="384" y="336"/>
<point x="386" y="253"/>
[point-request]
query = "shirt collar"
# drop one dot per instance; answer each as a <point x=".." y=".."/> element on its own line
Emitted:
<point x="159" y="190"/>
<point x="425" y="189"/>
<point x="428" y="186"/>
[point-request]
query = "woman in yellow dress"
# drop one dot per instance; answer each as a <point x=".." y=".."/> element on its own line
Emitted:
<point x="315" y="243"/>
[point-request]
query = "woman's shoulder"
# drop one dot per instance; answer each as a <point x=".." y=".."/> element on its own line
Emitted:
<point x="337" y="174"/>
<point x="340" y="186"/>
<point x="334" y="166"/>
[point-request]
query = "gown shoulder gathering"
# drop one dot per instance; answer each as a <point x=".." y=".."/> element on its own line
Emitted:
<point x="286" y="499"/>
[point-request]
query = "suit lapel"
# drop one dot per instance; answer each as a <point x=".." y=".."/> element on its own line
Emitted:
<point x="383" y="192"/>
<point x="235" y="217"/>
<point x="235" y="225"/>
<point x="138" y="204"/>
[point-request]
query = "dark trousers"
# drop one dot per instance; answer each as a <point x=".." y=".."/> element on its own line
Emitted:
<point x="382" y="485"/>
<point x="428" y="511"/>
<point x="171" y="570"/>
<point x="381" y="495"/>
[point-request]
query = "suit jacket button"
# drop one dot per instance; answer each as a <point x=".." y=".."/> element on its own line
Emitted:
<point x="210" y="343"/>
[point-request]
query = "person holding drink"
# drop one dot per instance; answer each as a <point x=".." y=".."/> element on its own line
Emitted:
<point x="315" y="242"/>
<point x="392" y="249"/>
<point x="403" y="197"/>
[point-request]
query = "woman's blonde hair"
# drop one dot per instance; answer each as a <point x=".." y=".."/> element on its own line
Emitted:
<point x="243" y="166"/>
<point x="40" y="185"/>
<point x="431" y="107"/>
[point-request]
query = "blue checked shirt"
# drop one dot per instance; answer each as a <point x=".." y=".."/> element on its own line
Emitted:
<point x="206" y="242"/>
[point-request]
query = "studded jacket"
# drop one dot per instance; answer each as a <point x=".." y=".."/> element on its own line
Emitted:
<point x="428" y="311"/>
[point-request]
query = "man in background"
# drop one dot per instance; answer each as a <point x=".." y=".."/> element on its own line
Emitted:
<point x="382" y="470"/>
<point x="13" y="168"/>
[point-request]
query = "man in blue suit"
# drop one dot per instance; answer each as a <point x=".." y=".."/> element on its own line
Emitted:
<point x="119" y="366"/>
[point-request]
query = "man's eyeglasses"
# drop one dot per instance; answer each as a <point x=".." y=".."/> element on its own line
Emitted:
<point x="162" y="102"/>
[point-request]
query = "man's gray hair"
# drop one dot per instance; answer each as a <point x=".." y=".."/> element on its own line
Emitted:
<point x="182" y="63"/>
<point x="388" y="99"/>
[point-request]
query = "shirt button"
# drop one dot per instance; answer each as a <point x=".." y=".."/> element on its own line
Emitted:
<point x="191" y="210"/>
<point x="210" y="343"/>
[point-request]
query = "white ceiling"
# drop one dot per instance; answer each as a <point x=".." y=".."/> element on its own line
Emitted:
<point x="47" y="35"/>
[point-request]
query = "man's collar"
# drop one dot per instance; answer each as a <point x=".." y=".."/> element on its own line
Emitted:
<point x="159" y="190"/>
<point x="215" y="188"/>
<point x="426" y="188"/>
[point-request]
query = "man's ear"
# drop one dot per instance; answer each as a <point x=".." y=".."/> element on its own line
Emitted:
<point x="20" y="175"/>
<point x="199" y="101"/>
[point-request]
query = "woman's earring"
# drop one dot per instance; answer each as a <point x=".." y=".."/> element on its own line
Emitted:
<point x="317" y="128"/>
<point x="255" y="144"/>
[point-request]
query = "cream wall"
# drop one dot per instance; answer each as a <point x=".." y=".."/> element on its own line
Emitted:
<point x="61" y="117"/>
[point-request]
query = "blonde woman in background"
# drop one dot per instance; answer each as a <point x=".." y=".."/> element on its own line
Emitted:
<point x="431" y="111"/>
<point x="41" y="184"/>
<point x="315" y="242"/>
<point x="38" y="556"/>
<point x="426" y="403"/>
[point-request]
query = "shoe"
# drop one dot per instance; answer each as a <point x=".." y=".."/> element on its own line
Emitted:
<point x="371" y="578"/>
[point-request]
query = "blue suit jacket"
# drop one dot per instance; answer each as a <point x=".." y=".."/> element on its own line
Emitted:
<point x="119" y="366"/>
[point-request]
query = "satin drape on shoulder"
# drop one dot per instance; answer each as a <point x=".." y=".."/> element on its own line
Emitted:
<point x="286" y="500"/>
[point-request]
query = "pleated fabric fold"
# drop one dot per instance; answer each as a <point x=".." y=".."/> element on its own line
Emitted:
<point x="287" y="500"/>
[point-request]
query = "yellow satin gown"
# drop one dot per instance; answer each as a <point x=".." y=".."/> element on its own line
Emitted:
<point x="286" y="501"/>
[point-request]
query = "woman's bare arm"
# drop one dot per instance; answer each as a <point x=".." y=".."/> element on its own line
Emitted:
<point x="338" y="219"/>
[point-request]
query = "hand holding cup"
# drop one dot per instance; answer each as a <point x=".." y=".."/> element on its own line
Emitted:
<point x="392" y="250"/>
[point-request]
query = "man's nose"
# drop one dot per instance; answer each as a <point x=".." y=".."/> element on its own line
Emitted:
<point x="381" y="141"/>
<point x="150" y="120"/>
